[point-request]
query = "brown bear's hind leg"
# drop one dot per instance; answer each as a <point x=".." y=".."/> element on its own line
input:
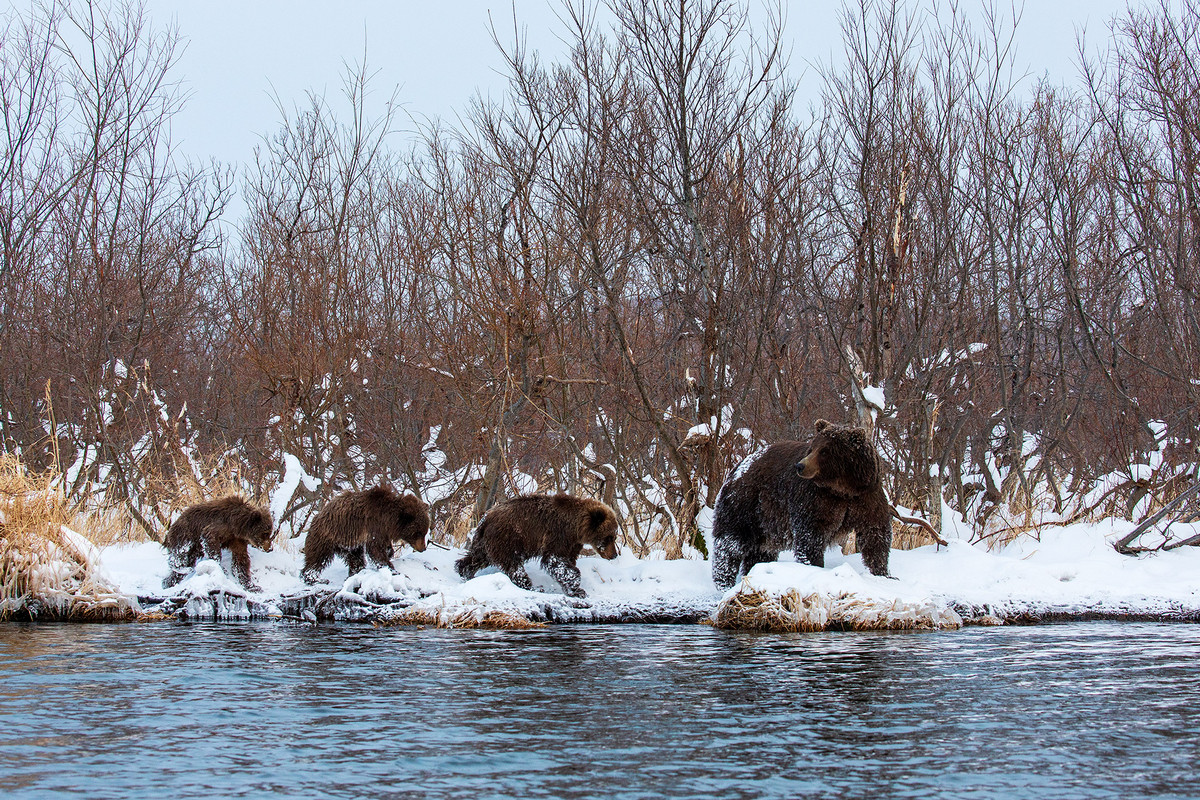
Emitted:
<point x="517" y="574"/>
<point x="471" y="563"/>
<point x="757" y="557"/>
<point x="726" y="561"/>
<point x="355" y="559"/>
<point x="181" y="560"/>
<point x="317" y="556"/>
<point x="380" y="553"/>
<point x="212" y="542"/>
<point x="566" y="573"/>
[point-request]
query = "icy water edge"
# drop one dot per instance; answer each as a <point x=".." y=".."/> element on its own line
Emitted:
<point x="1088" y="710"/>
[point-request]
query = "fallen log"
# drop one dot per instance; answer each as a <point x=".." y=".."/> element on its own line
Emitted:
<point x="920" y="523"/>
<point x="1183" y="509"/>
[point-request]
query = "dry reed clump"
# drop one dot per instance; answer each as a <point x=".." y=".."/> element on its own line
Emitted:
<point x="904" y="537"/>
<point x="492" y="620"/>
<point x="455" y="529"/>
<point x="47" y="569"/>
<point x="213" y="477"/>
<point x="181" y="483"/>
<point x="409" y="617"/>
<point x="908" y="537"/>
<point x="460" y="618"/>
<point x="793" y="612"/>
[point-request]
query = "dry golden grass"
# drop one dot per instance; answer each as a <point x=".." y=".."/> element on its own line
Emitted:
<point x="794" y="612"/>
<point x="904" y="537"/>
<point x="409" y="617"/>
<point x="1014" y="519"/>
<point x="180" y="484"/>
<point x="114" y="525"/>
<point x="759" y="611"/>
<point x="908" y="537"/>
<point x="48" y="569"/>
<point x="210" y="478"/>
<point x="492" y="620"/>
<point x="460" y="618"/>
<point x="1024" y="515"/>
<point x="454" y="530"/>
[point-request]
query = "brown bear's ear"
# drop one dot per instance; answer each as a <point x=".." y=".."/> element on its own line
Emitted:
<point x="598" y="517"/>
<point x="822" y="424"/>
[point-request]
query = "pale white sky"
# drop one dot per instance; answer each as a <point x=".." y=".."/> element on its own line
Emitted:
<point x="241" y="53"/>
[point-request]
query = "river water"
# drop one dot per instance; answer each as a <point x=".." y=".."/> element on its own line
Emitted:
<point x="169" y="710"/>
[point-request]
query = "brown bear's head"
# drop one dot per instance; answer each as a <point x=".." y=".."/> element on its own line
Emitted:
<point x="251" y="522"/>
<point x="601" y="531"/>
<point x="412" y="521"/>
<point x="840" y="458"/>
<point x="261" y="535"/>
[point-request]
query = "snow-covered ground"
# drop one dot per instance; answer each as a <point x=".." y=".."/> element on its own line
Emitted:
<point x="1071" y="571"/>
<point x="625" y="588"/>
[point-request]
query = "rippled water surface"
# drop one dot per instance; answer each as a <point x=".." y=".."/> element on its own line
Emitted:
<point x="1090" y="710"/>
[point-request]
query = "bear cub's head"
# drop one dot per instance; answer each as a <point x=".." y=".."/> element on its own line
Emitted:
<point x="409" y="514"/>
<point x="840" y="458"/>
<point x="252" y="523"/>
<point x="412" y="524"/>
<point x="602" y="531"/>
<point x="262" y="535"/>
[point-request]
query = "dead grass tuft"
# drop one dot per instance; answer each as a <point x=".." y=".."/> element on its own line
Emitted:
<point x="456" y="529"/>
<point x="908" y="537"/>
<point x="793" y="612"/>
<point x="492" y="620"/>
<point x="182" y="483"/>
<point x="210" y="478"/>
<point x="460" y="618"/>
<point x="759" y="611"/>
<point x="409" y="617"/>
<point x="48" y="570"/>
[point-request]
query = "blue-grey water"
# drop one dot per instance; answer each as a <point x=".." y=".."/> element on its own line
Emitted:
<point x="1090" y="710"/>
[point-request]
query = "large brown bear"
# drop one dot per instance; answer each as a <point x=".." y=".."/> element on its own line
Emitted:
<point x="362" y="525"/>
<point x="804" y="497"/>
<point x="553" y="528"/>
<point x="204" y="529"/>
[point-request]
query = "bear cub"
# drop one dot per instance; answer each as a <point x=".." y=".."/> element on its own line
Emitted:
<point x="204" y="529"/>
<point x="364" y="525"/>
<point x="806" y="497"/>
<point x="552" y="528"/>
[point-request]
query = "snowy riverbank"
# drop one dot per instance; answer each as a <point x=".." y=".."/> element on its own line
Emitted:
<point x="1071" y="572"/>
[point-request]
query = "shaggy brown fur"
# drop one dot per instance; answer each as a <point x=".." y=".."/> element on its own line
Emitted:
<point x="203" y="530"/>
<point x="803" y="496"/>
<point x="553" y="528"/>
<point x="364" y="525"/>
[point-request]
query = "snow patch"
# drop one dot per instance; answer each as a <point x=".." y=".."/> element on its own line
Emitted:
<point x="294" y="474"/>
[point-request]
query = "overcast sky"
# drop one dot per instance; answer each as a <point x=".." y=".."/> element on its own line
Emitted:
<point x="242" y="53"/>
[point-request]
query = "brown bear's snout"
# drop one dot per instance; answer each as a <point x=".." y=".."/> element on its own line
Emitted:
<point x="609" y="551"/>
<point x="419" y="545"/>
<point x="807" y="467"/>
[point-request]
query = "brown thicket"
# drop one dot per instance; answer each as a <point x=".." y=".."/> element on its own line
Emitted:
<point x="638" y="265"/>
